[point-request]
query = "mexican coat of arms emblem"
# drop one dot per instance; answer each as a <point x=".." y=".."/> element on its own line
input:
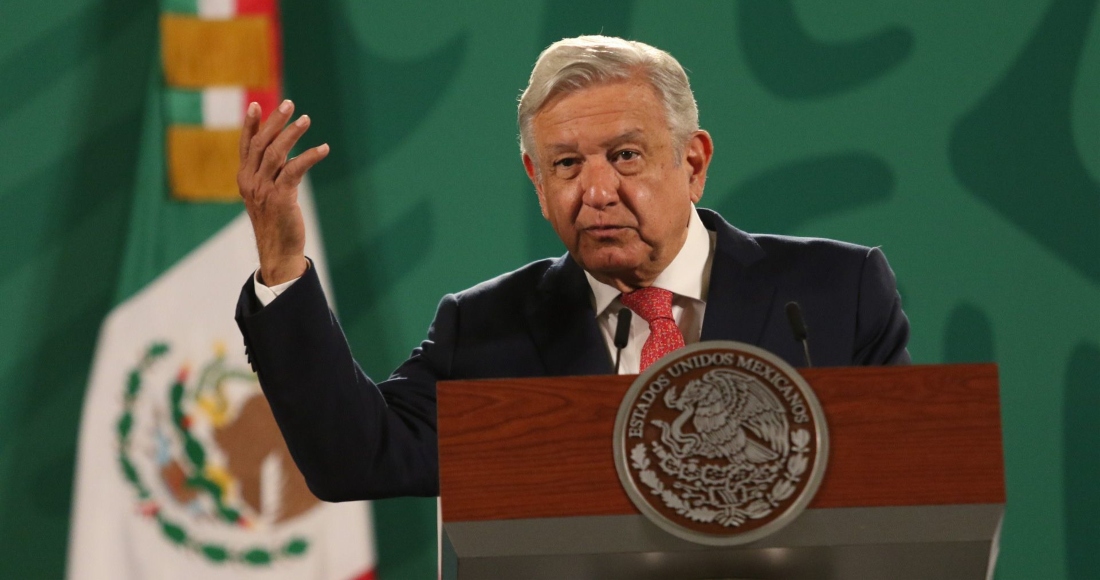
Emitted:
<point x="721" y="443"/>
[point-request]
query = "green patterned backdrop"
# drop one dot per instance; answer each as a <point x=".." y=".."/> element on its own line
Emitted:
<point x="964" y="138"/>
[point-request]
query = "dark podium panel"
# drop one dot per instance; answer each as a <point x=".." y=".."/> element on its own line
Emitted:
<point x="914" y="487"/>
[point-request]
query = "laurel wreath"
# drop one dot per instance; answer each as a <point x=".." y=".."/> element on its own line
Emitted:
<point x="196" y="454"/>
<point x="194" y="450"/>
<point x="732" y="515"/>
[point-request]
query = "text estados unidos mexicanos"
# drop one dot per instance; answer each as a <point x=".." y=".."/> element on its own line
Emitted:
<point x="720" y="359"/>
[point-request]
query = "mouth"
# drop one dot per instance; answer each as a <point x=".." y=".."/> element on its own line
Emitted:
<point x="605" y="232"/>
<point x="604" y="229"/>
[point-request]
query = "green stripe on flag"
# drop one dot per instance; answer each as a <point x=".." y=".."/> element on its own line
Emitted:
<point x="190" y="7"/>
<point x="162" y="230"/>
<point x="182" y="107"/>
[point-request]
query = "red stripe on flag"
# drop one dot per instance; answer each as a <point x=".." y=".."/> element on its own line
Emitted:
<point x="368" y="575"/>
<point x="256" y="6"/>
<point x="267" y="97"/>
<point x="268" y="100"/>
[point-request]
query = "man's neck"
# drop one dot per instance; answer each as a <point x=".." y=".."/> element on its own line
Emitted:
<point x="686" y="275"/>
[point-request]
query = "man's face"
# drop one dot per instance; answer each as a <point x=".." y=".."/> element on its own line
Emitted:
<point x="611" y="183"/>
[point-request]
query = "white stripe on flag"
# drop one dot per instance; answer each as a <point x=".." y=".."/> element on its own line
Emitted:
<point x="130" y="520"/>
<point x="217" y="9"/>
<point x="223" y="107"/>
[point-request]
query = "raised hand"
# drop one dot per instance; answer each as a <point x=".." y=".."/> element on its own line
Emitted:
<point x="268" y="183"/>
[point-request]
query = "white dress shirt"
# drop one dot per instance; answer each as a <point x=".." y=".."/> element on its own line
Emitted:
<point x="268" y="294"/>
<point x="687" y="277"/>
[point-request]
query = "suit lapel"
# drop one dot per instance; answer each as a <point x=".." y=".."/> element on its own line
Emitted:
<point x="739" y="302"/>
<point x="740" y="296"/>
<point x="563" y="323"/>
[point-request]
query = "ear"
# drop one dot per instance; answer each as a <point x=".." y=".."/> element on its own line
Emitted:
<point x="697" y="155"/>
<point x="532" y="174"/>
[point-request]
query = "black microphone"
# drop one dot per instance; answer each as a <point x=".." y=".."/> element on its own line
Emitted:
<point x="798" y="328"/>
<point x="622" y="334"/>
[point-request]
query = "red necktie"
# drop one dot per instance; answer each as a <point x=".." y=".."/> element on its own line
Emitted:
<point x="654" y="305"/>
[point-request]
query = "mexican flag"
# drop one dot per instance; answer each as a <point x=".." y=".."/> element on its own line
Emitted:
<point x="181" y="470"/>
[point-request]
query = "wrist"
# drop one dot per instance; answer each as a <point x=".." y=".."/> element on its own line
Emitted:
<point x="274" y="272"/>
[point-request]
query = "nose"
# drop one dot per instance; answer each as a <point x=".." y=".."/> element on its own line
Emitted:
<point x="600" y="183"/>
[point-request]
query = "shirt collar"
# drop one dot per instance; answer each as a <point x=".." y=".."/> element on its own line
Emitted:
<point x="686" y="276"/>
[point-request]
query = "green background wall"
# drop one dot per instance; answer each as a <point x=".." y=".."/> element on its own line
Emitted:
<point x="963" y="138"/>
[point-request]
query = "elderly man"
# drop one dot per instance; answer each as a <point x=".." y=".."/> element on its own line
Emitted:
<point x="611" y="141"/>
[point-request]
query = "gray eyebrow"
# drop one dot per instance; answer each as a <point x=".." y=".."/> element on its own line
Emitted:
<point x="631" y="135"/>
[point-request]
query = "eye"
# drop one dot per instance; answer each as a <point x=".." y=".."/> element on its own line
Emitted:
<point x="626" y="155"/>
<point x="567" y="167"/>
<point x="566" y="162"/>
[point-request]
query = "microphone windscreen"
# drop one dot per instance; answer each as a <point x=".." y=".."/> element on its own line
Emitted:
<point x="798" y="326"/>
<point x="622" y="331"/>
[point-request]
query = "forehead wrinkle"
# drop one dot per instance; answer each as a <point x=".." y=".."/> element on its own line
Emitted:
<point x="552" y="113"/>
<point x="624" y="137"/>
<point x="609" y="143"/>
<point x="561" y="147"/>
<point x="567" y="130"/>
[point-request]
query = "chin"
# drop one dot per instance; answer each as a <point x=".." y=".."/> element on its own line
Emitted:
<point x="608" y="262"/>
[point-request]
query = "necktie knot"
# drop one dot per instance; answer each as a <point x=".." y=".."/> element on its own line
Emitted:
<point x="654" y="305"/>
<point x="649" y="303"/>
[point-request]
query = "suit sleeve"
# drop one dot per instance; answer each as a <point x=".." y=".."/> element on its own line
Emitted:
<point x="352" y="439"/>
<point x="882" y="329"/>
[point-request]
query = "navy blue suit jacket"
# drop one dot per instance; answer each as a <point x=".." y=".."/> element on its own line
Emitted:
<point x="354" y="439"/>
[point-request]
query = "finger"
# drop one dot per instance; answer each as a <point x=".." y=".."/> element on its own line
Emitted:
<point x="251" y="125"/>
<point x="276" y="153"/>
<point x="296" y="168"/>
<point x="268" y="131"/>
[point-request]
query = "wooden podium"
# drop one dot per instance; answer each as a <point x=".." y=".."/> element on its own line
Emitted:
<point x="914" y="486"/>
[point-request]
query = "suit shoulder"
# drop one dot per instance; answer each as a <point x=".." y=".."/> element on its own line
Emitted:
<point x="517" y="283"/>
<point x="815" y="260"/>
<point x="794" y="245"/>
<point x="792" y="251"/>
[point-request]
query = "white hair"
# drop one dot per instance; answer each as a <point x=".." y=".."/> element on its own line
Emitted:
<point x="572" y="64"/>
